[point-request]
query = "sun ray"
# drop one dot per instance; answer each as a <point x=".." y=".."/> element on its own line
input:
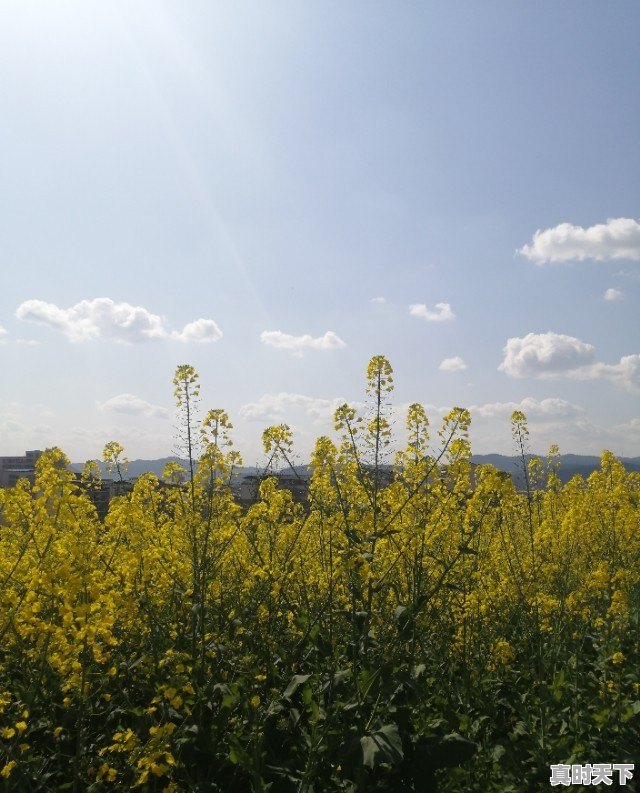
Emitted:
<point x="185" y="59"/>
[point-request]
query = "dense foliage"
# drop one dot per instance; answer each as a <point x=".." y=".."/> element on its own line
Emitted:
<point x="441" y="631"/>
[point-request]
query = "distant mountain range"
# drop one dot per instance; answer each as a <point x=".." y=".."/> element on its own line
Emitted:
<point x="138" y="467"/>
<point x="570" y="465"/>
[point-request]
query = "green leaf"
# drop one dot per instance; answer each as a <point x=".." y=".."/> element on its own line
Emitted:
<point x="418" y="670"/>
<point x="382" y="746"/>
<point x="448" y="752"/>
<point x="228" y="700"/>
<point x="294" y="684"/>
<point x="274" y="709"/>
<point x="520" y="729"/>
<point x="341" y="676"/>
<point x="602" y="716"/>
<point x="400" y="615"/>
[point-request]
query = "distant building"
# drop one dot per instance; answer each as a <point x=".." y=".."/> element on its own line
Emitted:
<point x="14" y="468"/>
<point x="247" y="490"/>
<point x="102" y="491"/>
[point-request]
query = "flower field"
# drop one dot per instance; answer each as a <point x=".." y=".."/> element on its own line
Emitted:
<point x="438" y="630"/>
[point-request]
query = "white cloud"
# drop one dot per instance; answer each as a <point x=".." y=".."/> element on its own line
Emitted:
<point x="276" y="407"/>
<point x="14" y="409"/>
<point x="625" y="373"/>
<point x="630" y="428"/>
<point x="21" y="427"/>
<point x="85" y="442"/>
<point x="634" y="275"/>
<point x="551" y="421"/>
<point x="552" y="355"/>
<point x="530" y="406"/>
<point x="100" y="318"/>
<point x="545" y="355"/>
<point x="442" y="312"/>
<point x="26" y="342"/>
<point x="134" y="406"/>
<point x="618" y="238"/>
<point x="455" y="364"/>
<point x="378" y="300"/>
<point x="613" y="294"/>
<point x="29" y="433"/>
<point x="105" y="320"/>
<point x="284" y="341"/>
<point x="201" y="331"/>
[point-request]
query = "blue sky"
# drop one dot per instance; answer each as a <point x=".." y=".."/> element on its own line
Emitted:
<point x="275" y="192"/>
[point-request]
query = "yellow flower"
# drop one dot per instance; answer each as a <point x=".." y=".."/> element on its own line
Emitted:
<point x="503" y="652"/>
<point x="8" y="733"/>
<point x="617" y="658"/>
<point x="255" y="701"/>
<point x="6" y="771"/>
<point x="21" y="726"/>
<point x="58" y="732"/>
